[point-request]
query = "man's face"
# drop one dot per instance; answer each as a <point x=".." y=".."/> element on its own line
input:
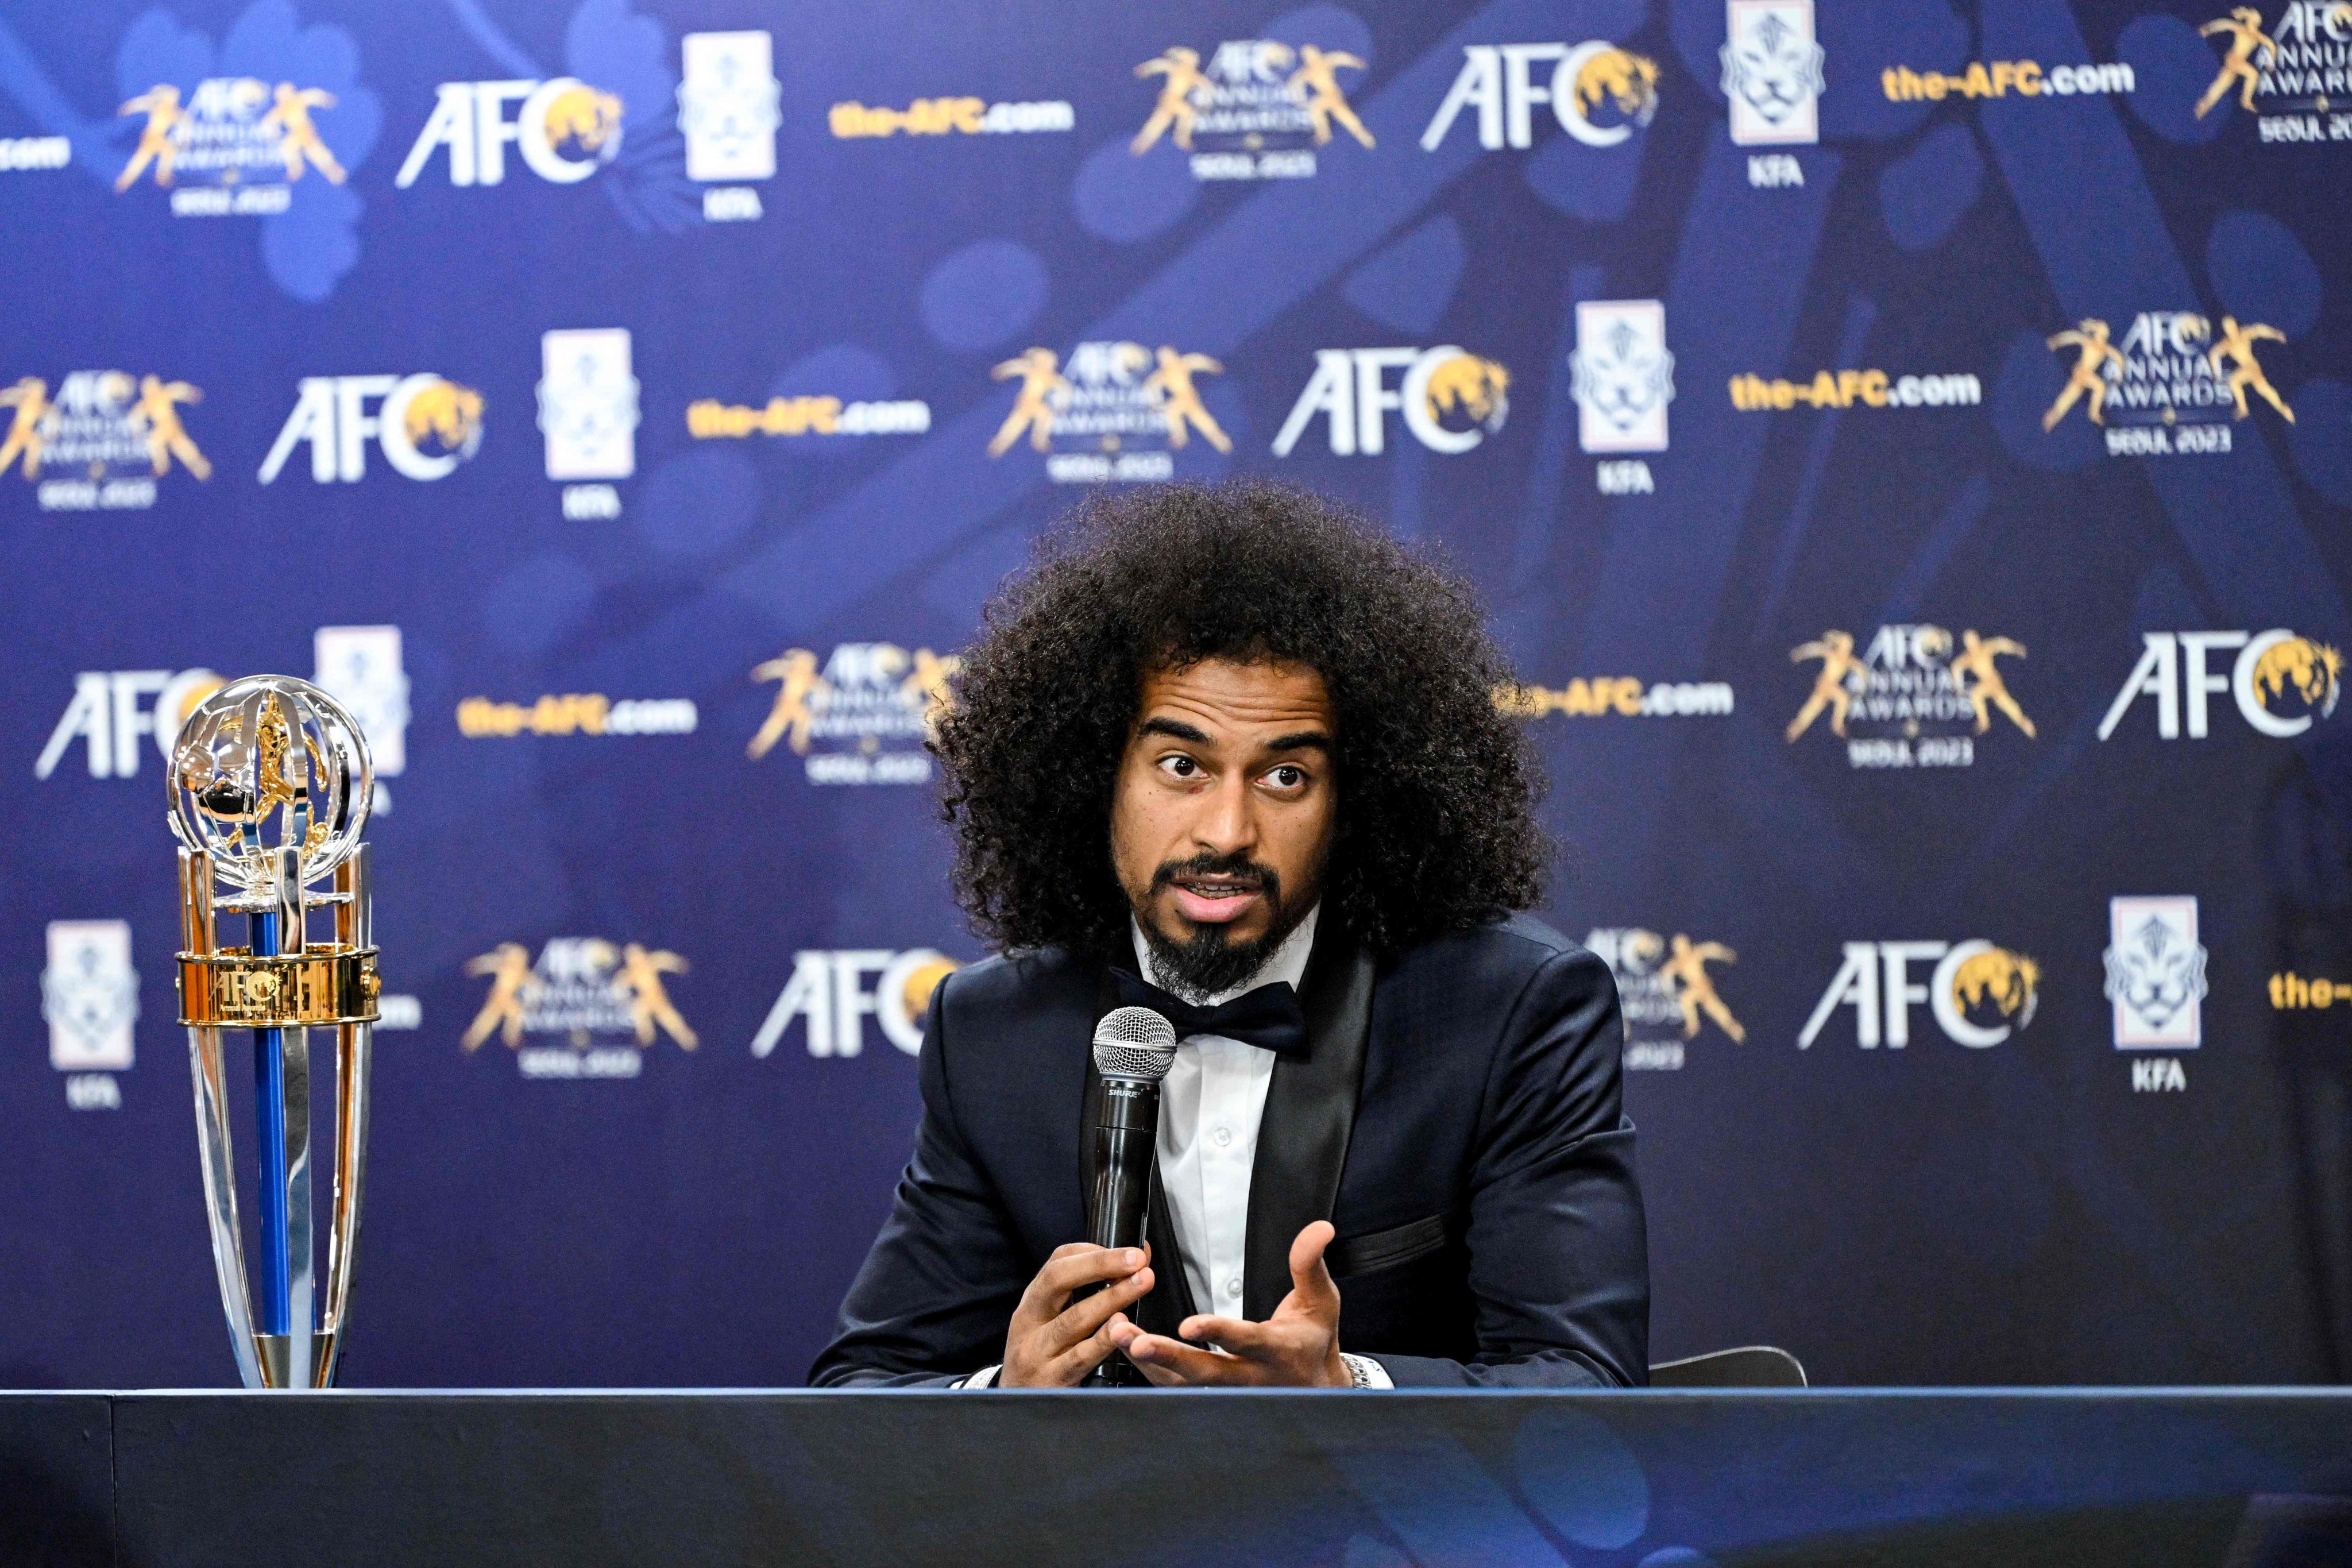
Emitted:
<point x="1223" y="813"/>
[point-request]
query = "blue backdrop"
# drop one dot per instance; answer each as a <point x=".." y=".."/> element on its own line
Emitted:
<point x="1906" y="449"/>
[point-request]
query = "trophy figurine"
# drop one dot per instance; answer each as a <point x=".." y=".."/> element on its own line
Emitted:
<point x="270" y="783"/>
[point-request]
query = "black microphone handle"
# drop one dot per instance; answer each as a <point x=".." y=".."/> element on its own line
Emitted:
<point x="1126" y="1137"/>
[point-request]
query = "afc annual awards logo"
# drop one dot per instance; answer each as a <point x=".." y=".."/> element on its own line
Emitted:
<point x="234" y="146"/>
<point x="863" y="718"/>
<point x="1599" y="94"/>
<point x="606" y="1002"/>
<point x="1450" y="399"/>
<point x="2295" y="77"/>
<point x="424" y="425"/>
<point x="2281" y="682"/>
<point x="2155" y="974"/>
<point x="833" y="992"/>
<point x="1978" y="993"/>
<point x="1257" y="110"/>
<point x="89" y="997"/>
<point x="1665" y="993"/>
<point x="101" y="441"/>
<point x="1112" y="411"/>
<point x="2174" y="384"/>
<point x="1916" y="698"/>
<point x="1772" y="72"/>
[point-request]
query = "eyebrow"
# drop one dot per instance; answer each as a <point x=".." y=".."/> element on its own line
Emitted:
<point x="1297" y="741"/>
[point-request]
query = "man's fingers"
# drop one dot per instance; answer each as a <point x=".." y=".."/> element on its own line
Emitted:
<point x="1085" y="1318"/>
<point x="1310" y="1279"/>
<point x="1080" y="1359"/>
<point x="1234" y="1334"/>
<point x="1167" y="1362"/>
<point x="1071" y="1266"/>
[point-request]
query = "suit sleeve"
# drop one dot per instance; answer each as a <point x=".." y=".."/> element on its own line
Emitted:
<point x="1559" y="1249"/>
<point x="930" y="1304"/>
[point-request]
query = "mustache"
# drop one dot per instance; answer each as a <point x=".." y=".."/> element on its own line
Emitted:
<point x="1237" y="867"/>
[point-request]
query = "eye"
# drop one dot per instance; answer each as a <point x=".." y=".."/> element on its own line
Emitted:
<point x="1176" y="765"/>
<point x="1286" y="776"/>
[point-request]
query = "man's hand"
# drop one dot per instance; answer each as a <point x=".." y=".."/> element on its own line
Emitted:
<point x="1298" y="1347"/>
<point x="1052" y="1342"/>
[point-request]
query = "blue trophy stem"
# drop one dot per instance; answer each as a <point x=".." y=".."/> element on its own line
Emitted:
<point x="269" y="1123"/>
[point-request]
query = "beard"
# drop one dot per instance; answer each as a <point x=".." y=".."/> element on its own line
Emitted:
<point x="1211" y="960"/>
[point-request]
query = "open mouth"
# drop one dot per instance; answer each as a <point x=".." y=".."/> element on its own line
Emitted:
<point x="1210" y="899"/>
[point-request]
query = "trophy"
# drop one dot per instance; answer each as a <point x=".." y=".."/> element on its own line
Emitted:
<point x="270" y="783"/>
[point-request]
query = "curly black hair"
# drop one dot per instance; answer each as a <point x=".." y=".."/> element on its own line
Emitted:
<point x="1437" y="787"/>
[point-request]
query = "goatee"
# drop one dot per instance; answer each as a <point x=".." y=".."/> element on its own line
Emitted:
<point x="1211" y="960"/>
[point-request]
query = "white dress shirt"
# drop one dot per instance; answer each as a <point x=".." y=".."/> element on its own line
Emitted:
<point x="1211" y="1104"/>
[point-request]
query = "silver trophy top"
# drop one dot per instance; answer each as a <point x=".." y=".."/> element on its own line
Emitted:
<point x="264" y="764"/>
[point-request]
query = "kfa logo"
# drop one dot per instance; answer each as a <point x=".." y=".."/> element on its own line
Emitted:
<point x="359" y="667"/>
<point x="1450" y="399"/>
<point x="110" y="712"/>
<point x="1772" y="72"/>
<point x="1980" y="994"/>
<point x="588" y="404"/>
<point x="2281" y="682"/>
<point x="424" y="425"/>
<point x="89" y="997"/>
<point x="1599" y="93"/>
<point x="829" y="989"/>
<point x="1625" y="376"/>
<point x="565" y="130"/>
<point x="728" y="106"/>
<point x="2155" y="972"/>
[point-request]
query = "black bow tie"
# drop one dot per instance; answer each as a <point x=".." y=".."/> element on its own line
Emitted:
<point x="1268" y="1017"/>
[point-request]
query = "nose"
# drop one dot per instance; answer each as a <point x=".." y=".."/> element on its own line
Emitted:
<point x="1227" y="823"/>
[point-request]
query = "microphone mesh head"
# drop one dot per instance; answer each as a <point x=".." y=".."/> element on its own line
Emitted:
<point x="1134" y="1042"/>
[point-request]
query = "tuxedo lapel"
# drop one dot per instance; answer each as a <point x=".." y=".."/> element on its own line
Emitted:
<point x="1169" y="1300"/>
<point x="1310" y="1111"/>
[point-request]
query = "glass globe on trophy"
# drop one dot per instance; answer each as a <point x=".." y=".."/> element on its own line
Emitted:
<point x="270" y="781"/>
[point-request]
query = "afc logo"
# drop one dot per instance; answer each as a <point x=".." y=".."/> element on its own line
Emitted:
<point x="829" y="989"/>
<point x="2280" y="682"/>
<point x="565" y="130"/>
<point x="1599" y="93"/>
<point x="1450" y="399"/>
<point x="1980" y="994"/>
<point x="424" y="425"/>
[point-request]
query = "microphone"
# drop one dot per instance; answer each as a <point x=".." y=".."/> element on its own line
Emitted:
<point x="1134" y="1047"/>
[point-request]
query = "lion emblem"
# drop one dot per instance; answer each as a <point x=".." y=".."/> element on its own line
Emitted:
<point x="1627" y="80"/>
<point x="1472" y="387"/>
<point x="1623" y="376"/>
<point x="447" y="414"/>
<point x="2155" y="971"/>
<point x="2300" y="666"/>
<point x="1774" y="68"/>
<point x="1999" y="979"/>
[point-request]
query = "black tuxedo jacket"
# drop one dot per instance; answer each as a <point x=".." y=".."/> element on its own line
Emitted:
<point x="1457" y="1117"/>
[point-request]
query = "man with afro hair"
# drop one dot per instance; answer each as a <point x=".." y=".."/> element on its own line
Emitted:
<point x="1233" y="754"/>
